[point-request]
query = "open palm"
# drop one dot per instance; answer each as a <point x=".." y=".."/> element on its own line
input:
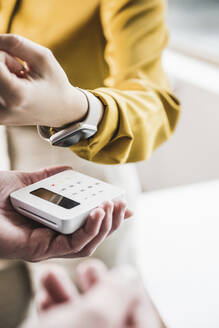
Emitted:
<point x="23" y="238"/>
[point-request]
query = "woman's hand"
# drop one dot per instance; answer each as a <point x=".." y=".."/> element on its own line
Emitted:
<point x="23" y="238"/>
<point x="43" y="95"/>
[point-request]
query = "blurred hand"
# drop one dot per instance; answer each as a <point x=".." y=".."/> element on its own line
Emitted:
<point x="114" y="299"/>
<point x="44" y="95"/>
<point x="23" y="238"/>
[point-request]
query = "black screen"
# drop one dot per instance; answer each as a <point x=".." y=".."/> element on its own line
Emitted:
<point x="54" y="198"/>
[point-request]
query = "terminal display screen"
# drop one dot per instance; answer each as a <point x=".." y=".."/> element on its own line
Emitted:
<point x="54" y="198"/>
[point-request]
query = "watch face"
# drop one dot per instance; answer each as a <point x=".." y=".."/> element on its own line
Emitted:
<point x="73" y="137"/>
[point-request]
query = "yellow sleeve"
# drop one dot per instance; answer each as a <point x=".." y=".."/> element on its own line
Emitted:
<point x="140" y="112"/>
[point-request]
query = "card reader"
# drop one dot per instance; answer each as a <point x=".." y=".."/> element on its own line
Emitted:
<point x="63" y="201"/>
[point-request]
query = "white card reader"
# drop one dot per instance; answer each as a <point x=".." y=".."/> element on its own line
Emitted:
<point x="63" y="201"/>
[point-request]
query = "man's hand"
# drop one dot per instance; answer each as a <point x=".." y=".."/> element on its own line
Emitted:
<point x="42" y="94"/>
<point x="23" y="238"/>
<point x="114" y="299"/>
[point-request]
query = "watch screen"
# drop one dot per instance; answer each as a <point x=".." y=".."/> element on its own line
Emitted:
<point x="54" y="198"/>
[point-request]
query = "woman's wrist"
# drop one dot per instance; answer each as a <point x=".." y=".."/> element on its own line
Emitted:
<point x="81" y="105"/>
<point x="76" y="107"/>
<point x="88" y="124"/>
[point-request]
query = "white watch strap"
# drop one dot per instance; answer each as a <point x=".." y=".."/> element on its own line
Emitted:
<point x="95" y="109"/>
<point x="93" y="118"/>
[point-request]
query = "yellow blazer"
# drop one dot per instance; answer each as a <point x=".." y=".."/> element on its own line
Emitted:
<point x="113" y="48"/>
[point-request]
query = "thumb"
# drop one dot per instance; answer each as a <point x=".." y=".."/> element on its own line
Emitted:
<point x="32" y="177"/>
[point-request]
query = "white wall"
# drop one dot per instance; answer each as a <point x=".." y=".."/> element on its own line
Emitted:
<point x="192" y="154"/>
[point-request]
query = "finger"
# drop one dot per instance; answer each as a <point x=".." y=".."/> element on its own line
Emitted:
<point x="25" y="49"/>
<point x="107" y="304"/>
<point x="11" y="62"/>
<point x="32" y="177"/>
<point x="128" y="213"/>
<point x="90" y="247"/>
<point x="120" y="291"/>
<point x="25" y="67"/>
<point x="59" y="288"/>
<point x="45" y="173"/>
<point x="14" y="66"/>
<point x="90" y="231"/>
<point x="118" y="215"/>
<point x="54" y="287"/>
<point x="45" y="303"/>
<point x="49" y="244"/>
<point x="8" y="82"/>
<point x="64" y="245"/>
<point x="89" y="273"/>
<point x="105" y="226"/>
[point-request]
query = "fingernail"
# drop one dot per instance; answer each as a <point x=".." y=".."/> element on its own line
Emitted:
<point x="93" y="214"/>
<point x="26" y="67"/>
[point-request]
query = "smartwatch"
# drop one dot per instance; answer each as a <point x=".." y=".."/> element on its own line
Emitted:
<point x="76" y="132"/>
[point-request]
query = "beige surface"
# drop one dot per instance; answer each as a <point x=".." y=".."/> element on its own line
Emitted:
<point x="15" y="294"/>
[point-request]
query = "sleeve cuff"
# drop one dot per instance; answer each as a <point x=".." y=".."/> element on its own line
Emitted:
<point x="107" y="128"/>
